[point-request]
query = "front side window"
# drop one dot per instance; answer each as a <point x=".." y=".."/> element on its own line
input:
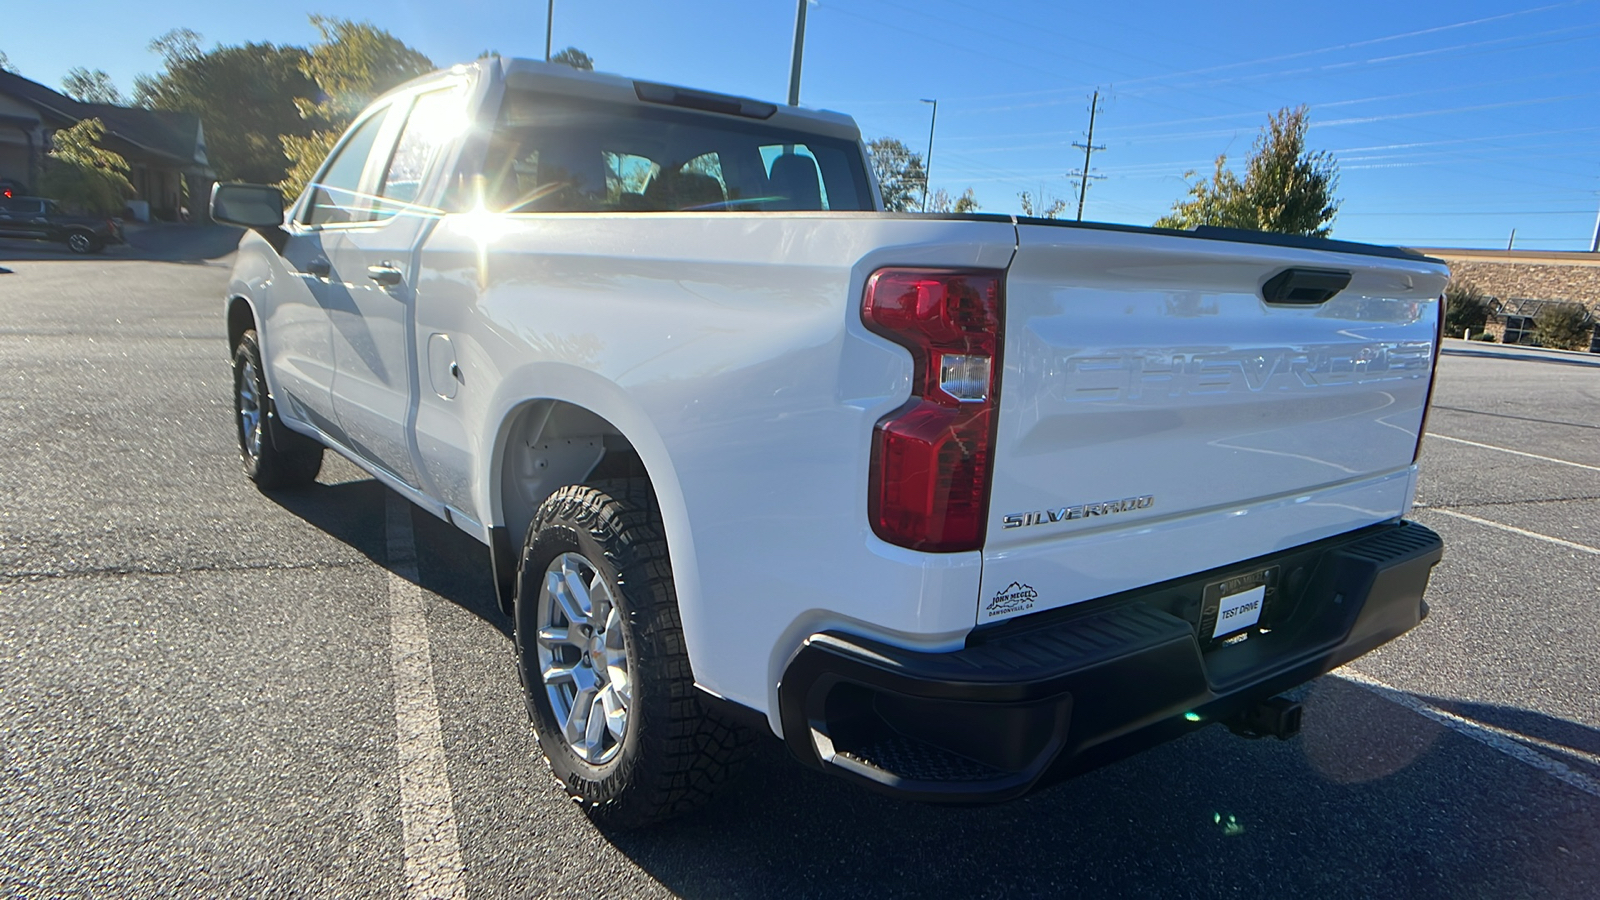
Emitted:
<point x="336" y="196"/>
<point x="553" y="154"/>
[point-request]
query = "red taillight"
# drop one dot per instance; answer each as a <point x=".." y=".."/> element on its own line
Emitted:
<point x="932" y="457"/>
<point x="1433" y="379"/>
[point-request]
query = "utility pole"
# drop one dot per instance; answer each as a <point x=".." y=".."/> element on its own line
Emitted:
<point x="1089" y="148"/>
<point x="1513" y="242"/>
<point x="1594" y="245"/>
<point x="927" y="164"/>
<point x="799" y="52"/>
<point x="549" y="21"/>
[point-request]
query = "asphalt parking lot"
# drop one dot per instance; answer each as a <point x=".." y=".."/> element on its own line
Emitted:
<point x="202" y="693"/>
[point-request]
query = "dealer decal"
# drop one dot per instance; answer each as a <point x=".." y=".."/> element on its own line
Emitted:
<point x="1013" y="598"/>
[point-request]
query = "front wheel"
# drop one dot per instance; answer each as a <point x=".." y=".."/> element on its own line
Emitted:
<point x="288" y="462"/>
<point x="603" y="662"/>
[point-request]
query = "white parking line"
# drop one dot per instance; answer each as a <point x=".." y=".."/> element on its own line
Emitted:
<point x="1506" y="742"/>
<point x="1572" y="545"/>
<point x="427" y="813"/>
<point x="1551" y="459"/>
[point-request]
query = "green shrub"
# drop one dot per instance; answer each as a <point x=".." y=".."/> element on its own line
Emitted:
<point x="1563" y="326"/>
<point x="83" y="176"/>
<point x="1465" y="308"/>
<point x="1485" y="336"/>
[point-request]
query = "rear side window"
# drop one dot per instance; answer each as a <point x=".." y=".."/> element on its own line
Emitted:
<point x="436" y="117"/>
<point x="23" y="207"/>
<point x="551" y="154"/>
<point x="336" y="197"/>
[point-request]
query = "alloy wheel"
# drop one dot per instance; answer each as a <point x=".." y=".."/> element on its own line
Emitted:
<point x="583" y="658"/>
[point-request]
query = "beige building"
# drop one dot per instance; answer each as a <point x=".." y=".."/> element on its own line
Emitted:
<point x="166" y="152"/>
<point x="1522" y="282"/>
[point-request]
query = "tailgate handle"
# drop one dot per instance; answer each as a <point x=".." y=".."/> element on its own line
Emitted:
<point x="1304" y="287"/>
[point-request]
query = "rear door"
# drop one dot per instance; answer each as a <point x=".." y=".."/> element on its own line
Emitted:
<point x="1159" y="417"/>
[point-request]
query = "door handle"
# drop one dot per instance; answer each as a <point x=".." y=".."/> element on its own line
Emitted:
<point x="320" y="267"/>
<point x="385" y="274"/>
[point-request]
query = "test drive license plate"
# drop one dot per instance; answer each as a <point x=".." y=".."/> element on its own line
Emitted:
<point x="1233" y="605"/>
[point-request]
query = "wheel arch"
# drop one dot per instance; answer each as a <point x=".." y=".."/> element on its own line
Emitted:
<point x="241" y="318"/>
<point x="586" y="429"/>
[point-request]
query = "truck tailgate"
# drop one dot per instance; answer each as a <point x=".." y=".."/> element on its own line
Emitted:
<point x="1158" y="417"/>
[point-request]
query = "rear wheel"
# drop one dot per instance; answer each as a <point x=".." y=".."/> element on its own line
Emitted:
<point x="84" y="242"/>
<point x="291" y="460"/>
<point x="603" y="662"/>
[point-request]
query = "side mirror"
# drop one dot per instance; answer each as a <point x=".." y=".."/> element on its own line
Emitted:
<point x="251" y="205"/>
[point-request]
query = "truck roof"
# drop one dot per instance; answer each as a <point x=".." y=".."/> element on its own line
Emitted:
<point x="557" y="78"/>
<point x="564" y="80"/>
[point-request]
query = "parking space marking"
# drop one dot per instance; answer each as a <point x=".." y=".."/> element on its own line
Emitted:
<point x="1572" y="545"/>
<point x="1552" y="459"/>
<point x="1504" y="741"/>
<point x="427" y="811"/>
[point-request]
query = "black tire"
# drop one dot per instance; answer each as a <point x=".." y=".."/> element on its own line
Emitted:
<point x="84" y="242"/>
<point x="281" y="461"/>
<point x="675" y="753"/>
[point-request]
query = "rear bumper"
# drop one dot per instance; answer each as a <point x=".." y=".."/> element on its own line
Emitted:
<point x="1043" y="696"/>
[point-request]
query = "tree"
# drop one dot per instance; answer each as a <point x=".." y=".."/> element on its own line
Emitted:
<point x="1036" y="207"/>
<point x="901" y="175"/>
<point x="1563" y="326"/>
<point x="1285" y="188"/>
<point x="575" y="58"/>
<point x="1466" y="309"/>
<point x="82" y="175"/>
<point x="941" y="202"/>
<point x="91" y="87"/>
<point x="245" y="98"/>
<point x="5" y="63"/>
<point x="176" y="45"/>
<point x="353" y="63"/>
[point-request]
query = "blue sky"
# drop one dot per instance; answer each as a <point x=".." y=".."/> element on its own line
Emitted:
<point x="1453" y="122"/>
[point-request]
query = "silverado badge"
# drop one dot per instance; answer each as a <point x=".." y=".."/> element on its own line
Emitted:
<point x="1084" y="511"/>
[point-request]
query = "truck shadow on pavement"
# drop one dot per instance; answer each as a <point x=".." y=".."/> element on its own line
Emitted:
<point x="1371" y="800"/>
<point x="449" y="563"/>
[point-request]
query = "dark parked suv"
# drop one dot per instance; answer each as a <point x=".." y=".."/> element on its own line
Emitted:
<point x="34" y="218"/>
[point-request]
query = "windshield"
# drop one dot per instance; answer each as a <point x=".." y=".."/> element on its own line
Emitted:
<point x="554" y="154"/>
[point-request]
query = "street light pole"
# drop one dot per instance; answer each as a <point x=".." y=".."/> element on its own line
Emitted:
<point x="799" y="53"/>
<point x="927" y="164"/>
<point x="549" y="20"/>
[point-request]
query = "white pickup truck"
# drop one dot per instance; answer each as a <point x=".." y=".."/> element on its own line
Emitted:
<point x="954" y="505"/>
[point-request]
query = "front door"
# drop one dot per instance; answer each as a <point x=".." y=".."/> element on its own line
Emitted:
<point x="296" y="338"/>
